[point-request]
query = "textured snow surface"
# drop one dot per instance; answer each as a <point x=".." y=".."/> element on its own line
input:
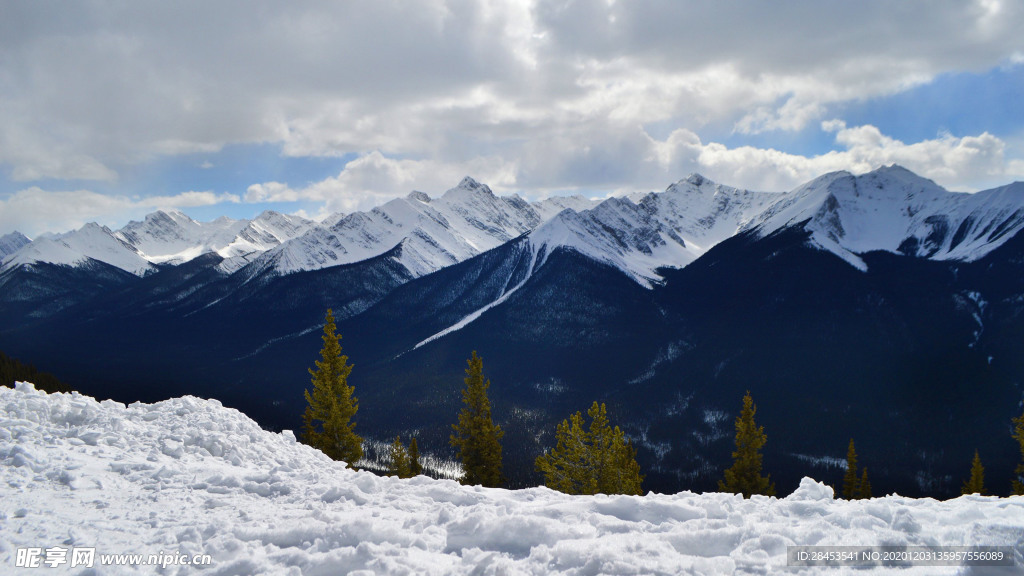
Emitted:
<point x="189" y="476"/>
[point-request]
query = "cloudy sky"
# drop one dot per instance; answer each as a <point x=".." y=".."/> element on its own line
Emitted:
<point x="110" y="110"/>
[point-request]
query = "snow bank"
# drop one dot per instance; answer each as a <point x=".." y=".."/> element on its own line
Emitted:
<point x="190" y="476"/>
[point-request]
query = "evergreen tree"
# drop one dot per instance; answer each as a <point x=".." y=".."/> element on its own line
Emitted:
<point x="744" y="477"/>
<point x="864" y="489"/>
<point x="11" y="371"/>
<point x="327" y="422"/>
<point x="599" y="460"/>
<point x="415" y="468"/>
<point x="976" y="483"/>
<point x="566" y="466"/>
<point x="476" y="436"/>
<point x="1018" y="435"/>
<point x="399" y="460"/>
<point x="851" y="485"/>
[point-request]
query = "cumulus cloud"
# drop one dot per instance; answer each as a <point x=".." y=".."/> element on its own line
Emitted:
<point x="958" y="163"/>
<point x="528" y="95"/>
<point x="373" y="179"/>
<point x="34" y="210"/>
<point x="633" y="160"/>
<point x="83" y="96"/>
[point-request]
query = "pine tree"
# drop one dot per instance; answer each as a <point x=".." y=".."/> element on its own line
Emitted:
<point x="597" y="460"/>
<point x="476" y="437"/>
<point x="399" y="460"/>
<point x="566" y="466"/>
<point x="415" y="468"/>
<point x="11" y="371"/>
<point x="744" y="477"/>
<point x="864" y="489"/>
<point x="851" y="485"/>
<point x="1018" y="435"/>
<point x="976" y="483"/>
<point x="327" y="422"/>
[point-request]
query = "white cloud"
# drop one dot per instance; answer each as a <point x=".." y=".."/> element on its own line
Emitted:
<point x="34" y="210"/>
<point x="373" y="179"/>
<point x="437" y="79"/>
<point x="526" y="95"/>
<point x="632" y="160"/>
<point x="956" y="163"/>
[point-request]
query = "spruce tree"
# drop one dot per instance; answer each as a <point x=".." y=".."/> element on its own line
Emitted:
<point x="851" y="485"/>
<point x="566" y="467"/>
<point x="597" y="460"/>
<point x="1018" y="435"/>
<point x="331" y="406"/>
<point x="415" y="468"/>
<point x="399" y="465"/>
<point x="864" y="489"/>
<point x="744" y="477"/>
<point x="976" y="483"/>
<point x="477" y="438"/>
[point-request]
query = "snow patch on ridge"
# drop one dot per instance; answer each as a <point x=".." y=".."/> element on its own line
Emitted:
<point x="506" y="293"/>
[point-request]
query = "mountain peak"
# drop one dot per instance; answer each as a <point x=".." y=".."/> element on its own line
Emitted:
<point x="267" y="214"/>
<point x="422" y="196"/>
<point x="11" y="243"/>
<point x="896" y="176"/>
<point x="172" y="214"/>
<point x="696" y="179"/>
<point x="469" y="183"/>
<point x="471" y="186"/>
<point x="468" y="188"/>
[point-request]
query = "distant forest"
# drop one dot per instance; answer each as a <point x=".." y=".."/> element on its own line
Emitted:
<point x="12" y="370"/>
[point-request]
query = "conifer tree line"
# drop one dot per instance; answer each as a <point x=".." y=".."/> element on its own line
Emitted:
<point x="12" y="370"/>
<point x="596" y="460"/>
<point x="586" y="459"/>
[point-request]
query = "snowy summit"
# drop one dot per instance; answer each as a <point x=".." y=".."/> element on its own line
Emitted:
<point x="190" y="479"/>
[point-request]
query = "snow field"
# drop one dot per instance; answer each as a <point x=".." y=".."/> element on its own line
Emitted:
<point x="190" y="476"/>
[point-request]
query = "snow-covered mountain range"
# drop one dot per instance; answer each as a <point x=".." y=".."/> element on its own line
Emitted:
<point x="433" y="233"/>
<point x="888" y="209"/>
<point x="667" y="304"/>
<point x="894" y="210"/>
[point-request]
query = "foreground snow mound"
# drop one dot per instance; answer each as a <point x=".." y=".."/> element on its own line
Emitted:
<point x="189" y="476"/>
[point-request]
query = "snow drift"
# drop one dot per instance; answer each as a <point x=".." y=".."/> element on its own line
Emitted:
<point x="190" y="476"/>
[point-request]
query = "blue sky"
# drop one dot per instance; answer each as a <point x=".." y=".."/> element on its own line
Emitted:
<point x="109" y="111"/>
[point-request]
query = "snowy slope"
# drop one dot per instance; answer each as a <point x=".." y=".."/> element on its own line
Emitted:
<point x="190" y="477"/>
<point x="163" y="237"/>
<point x="550" y="207"/>
<point x="11" y="243"/>
<point x="642" y="233"/>
<point x="889" y="209"/>
<point x="91" y="241"/>
<point x="173" y="237"/>
<point x="895" y="210"/>
<point x="434" y="233"/>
